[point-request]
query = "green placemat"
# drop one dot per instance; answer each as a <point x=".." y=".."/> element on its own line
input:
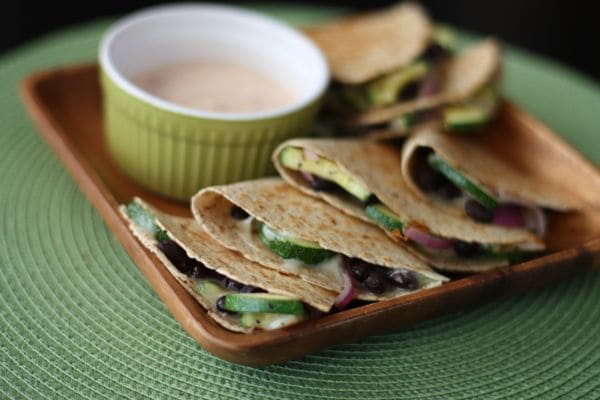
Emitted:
<point x="78" y="319"/>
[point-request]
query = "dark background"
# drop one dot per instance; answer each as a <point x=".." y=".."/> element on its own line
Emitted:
<point x="567" y="31"/>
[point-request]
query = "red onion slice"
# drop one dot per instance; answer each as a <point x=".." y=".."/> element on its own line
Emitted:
<point x="308" y="177"/>
<point x="509" y="215"/>
<point x="426" y="239"/>
<point x="537" y="218"/>
<point x="348" y="290"/>
<point x="311" y="155"/>
<point x="430" y="85"/>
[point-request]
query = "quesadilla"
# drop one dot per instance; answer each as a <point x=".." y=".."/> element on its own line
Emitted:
<point x="363" y="47"/>
<point x="462" y="94"/>
<point x="275" y="225"/>
<point x="378" y="58"/>
<point x="364" y="179"/>
<point x="394" y="68"/>
<point x="467" y="175"/>
<point x="237" y="293"/>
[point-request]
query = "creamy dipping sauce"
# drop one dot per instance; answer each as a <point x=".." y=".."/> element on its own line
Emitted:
<point x="215" y="86"/>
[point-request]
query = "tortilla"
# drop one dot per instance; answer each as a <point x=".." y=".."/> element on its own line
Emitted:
<point x="462" y="76"/>
<point x="481" y="163"/>
<point x="274" y="202"/>
<point x="378" y="167"/>
<point x="200" y="246"/>
<point x="360" y="48"/>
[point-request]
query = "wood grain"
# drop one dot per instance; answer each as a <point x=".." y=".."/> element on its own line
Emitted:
<point x="65" y="105"/>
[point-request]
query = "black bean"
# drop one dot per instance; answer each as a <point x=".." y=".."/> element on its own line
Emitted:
<point x="348" y="262"/>
<point x="233" y="285"/>
<point x="431" y="181"/>
<point x="410" y="91"/>
<point x="467" y="249"/>
<point x="238" y="213"/>
<point x="447" y="190"/>
<point x="478" y="211"/>
<point x="358" y="268"/>
<point x="175" y="254"/>
<point x="221" y="306"/>
<point x="250" y="289"/>
<point x="434" y="53"/>
<point x="321" y="184"/>
<point x="178" y="257"/>
<point x="426" y="178"/>
<point x="359" y="271"/>
<point x="404" y="279"/>
<point x="239" y="287"/>
<point x="376" y="281"/>
<point x="190" y="267"/>
<point x="372" y="199"/>
<point x="172" y="250"/>
<point x="198" y="270"/>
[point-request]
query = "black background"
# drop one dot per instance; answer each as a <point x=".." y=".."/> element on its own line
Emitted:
<point x="567" y="31"/>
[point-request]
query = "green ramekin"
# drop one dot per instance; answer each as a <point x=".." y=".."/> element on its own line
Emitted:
<point x="175" y="151"/>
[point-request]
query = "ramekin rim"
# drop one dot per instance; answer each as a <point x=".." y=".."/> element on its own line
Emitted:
<point x="152" y="12"/>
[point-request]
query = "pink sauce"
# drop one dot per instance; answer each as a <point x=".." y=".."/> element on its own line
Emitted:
<point x="215" y="86"/>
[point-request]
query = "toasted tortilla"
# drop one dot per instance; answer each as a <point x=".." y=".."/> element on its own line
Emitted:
<point x="200" y="246"/>
<point x="360" y="48"/>
<point x="461" y="77"/>
<point x="274" y="202"/>
<point x="378" y="167"/>
<point x="479" y="161"/>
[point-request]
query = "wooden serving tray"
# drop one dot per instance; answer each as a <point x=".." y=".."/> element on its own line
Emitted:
<point x="65" y="104"/>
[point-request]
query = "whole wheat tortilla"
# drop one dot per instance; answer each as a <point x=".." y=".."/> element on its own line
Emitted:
<point x="478" y="161"/>
<point x="200" y="246"/>
<point x="282" y="207"/>
<point x="362" y="47"/>
<point x="188" y="283"/>
<point x="378" y="167"/>
<point x="462" y="75"/>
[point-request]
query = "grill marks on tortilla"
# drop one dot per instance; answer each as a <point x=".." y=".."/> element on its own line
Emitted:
<point x="359" y="48"/>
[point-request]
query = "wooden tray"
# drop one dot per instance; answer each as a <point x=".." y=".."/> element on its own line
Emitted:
<point x="65" y="105"/>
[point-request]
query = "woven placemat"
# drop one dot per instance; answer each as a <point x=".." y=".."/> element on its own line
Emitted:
<point x="78" y="319"/>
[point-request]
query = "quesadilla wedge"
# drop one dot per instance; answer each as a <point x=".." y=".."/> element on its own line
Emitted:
<point x="237" y="293"/>
<point x="364" y="179"/>
<point x="275" y="225"/>
<point x="380" y="58"/>
<point x="362" y="47"/>
<point x="461" y="93"/>
<point x="466" y="174"/>
<point x="394" y="69"/>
